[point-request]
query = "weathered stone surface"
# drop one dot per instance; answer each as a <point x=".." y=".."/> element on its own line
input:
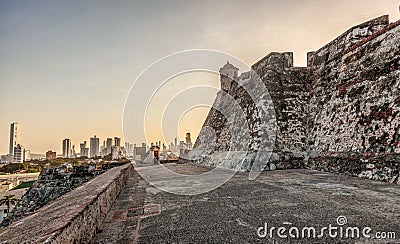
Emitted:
<point x="233" y="212"/>
<point x="355" y="98"/>
<point x="354" y="105"/>
<point x="51" y="184"/>
<point x="73" y="217"/>
<point x="347" y="102"/>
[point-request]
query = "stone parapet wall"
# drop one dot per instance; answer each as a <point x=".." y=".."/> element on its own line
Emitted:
<point x="51" y="184"/>
<point x="369" y="38"/>
<point x="382" y="167"/>
<point x="73" y="217"/>
<point x="336" y="48"/>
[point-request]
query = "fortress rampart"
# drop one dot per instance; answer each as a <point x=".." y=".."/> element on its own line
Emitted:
<point x="75" y="216"/>
<point x="341" y="113"/>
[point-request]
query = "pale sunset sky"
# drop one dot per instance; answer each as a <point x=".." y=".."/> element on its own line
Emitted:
<point x="66" y="66"/>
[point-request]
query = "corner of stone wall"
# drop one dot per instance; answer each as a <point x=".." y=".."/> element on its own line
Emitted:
<point x="75" y="216"/>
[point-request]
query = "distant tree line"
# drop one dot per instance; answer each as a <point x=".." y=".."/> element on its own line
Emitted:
<point x="13" y="168"/>
<point x="36" y="165"/>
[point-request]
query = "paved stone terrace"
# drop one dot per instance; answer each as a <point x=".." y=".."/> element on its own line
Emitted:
<point x="233" y="212"/>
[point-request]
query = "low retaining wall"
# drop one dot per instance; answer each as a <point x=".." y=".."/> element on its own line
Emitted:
<point x="381" y="167"/>
<point x="73" y="217"/>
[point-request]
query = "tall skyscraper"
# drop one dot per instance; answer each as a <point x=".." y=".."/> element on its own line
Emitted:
<point x="82" y="147"/>
<point x="115" y="152"/>
<point x="15" y="134"/>
<point x="72" y="154"/>
<point x="66" y="148"/>
<point x="27" y="155"/>
<point x="94" y="147"/>
<point x="18" y="154"/>
<point x="117" y="141"/>
<point x="103" y="149"/>
<point x="129" y="149"/>
<point x="84" y="151"/>
<point x="176" y="144"/>
<point x="140" y="152"/>
<point x="188" y="140"/>
<point x="109" y="145"/>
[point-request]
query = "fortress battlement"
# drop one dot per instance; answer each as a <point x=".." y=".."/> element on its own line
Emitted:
<point x="346" y="100"/>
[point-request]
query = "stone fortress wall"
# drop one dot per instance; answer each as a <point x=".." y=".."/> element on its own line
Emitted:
<point x="338" y="114"/>
<point x="289" y="90"/>
<point x="355" y="102"/>
<point x="73" y="217"/>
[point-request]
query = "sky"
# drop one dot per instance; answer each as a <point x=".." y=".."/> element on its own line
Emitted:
<point x="66" y="67"/>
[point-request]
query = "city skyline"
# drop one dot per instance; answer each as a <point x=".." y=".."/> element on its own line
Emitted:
<point x="63" y="76"/>
<point x="68" y="147"/>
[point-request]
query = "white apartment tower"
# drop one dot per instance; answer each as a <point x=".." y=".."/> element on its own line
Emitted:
<point x="15" y="134"/>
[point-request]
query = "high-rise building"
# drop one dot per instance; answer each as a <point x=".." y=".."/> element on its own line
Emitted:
<point x="66" y="148"/>
<point x="18" y="154"/>
<point x="128" y="149"/>
<point x="50" y="155"/>
<point x="109" y="145"/>
<point x="140" y="152"/>
<point x="115" y="150"/>
<point x="131" y="150"/>
<point x="117" y="141"/>
<point x="94" y="147"/>
<point x="6" y="158"/>
<point x="84" y="151"/>
<point x="27" y="155"/>
<point x="188" y="140"/>
<point x="15" y="134"/>
<point x="72" y="154"/>
<point x="176" y="145"/>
